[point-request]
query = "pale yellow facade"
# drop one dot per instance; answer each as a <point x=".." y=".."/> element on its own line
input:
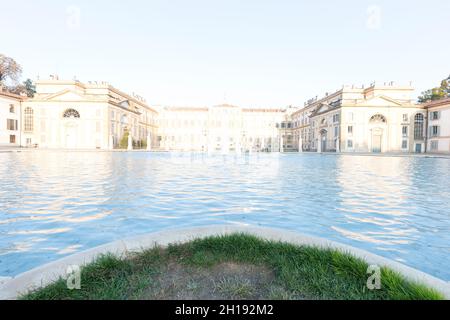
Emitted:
<point x="379" y="118"/>
<point x="76" y="115"/>
<point x="222" y="128"/>
<point x="10" y="124"/>
<point x="438" y="126"/>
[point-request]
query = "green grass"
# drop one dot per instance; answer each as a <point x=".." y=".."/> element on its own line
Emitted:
<point x="300" y="272"/>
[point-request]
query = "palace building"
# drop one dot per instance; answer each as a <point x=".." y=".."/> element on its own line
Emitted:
<point x="438" y="126"/>
<point x="76" y="115"/>
<point x="223" y="128"/>
<point x="10" y="124"/>
<point x="379" y="118"/>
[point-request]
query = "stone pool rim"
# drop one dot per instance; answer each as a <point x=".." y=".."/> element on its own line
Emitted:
<point x="45" y="274"/>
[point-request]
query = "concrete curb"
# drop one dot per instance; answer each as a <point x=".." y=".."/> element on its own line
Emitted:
<point x="46" y="274"/>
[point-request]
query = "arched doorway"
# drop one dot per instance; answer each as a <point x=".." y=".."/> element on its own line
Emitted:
<point x="323" y="140"/>
<point x="71" y="133"/>
<point x="377" y="126"/>
<point x="70" y="123"/>
<point x="377" y="140"/>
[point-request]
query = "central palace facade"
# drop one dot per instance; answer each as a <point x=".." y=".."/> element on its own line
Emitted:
<point x="75" y="115"/>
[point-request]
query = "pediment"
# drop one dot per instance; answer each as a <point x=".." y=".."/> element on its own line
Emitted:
<point x="66" y="95"/>
<point x="380" y="101"/>
<point x="125" y="103"/>
<point x="322" y="108"/>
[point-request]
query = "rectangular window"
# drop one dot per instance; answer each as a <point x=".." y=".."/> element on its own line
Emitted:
<point x="12" y="108"/>
<point x="350" y="130"/>
<point x="435" y="115"/>
<point x="405" y="131"/>
<point x="405" y="144"/>
<point x="434" y="131"/>
<point x="405" y="117"/>
<point x="11" y="124"/>
<point x="350" y="116"/>
<point x="350" y="144"/>
<point x="336" y="131"/>
<point x="12" y="139"/>
<point x="434" y="145"/>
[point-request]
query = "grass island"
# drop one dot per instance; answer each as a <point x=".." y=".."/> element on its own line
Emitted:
<point x="236" y="266"/>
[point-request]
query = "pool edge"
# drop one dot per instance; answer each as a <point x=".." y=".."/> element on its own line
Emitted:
<point x="45" y="274"/>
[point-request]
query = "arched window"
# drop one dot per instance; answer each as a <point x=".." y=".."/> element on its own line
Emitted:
<point x="28" y="123"/>
<point x="71" y="113"/>
<point x="378" y="118"/>
<point x="418" y="126"/>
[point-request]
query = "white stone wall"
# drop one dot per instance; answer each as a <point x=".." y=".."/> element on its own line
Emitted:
<point x="52" y="130"/>
<point x="104" y="115"/>
<point x="356" y="107"/>
<point x="218" y="129"/>
<point x="439" y="143"/>
<point x="391" y="132"/>
<point x="5" y="107"/>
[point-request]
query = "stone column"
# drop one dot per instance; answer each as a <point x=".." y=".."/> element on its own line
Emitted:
<point x="238" y="145"/>
<point x="149" y="142"/>
<point x="130" y="142"/>
<point x="300" y="143"/>
<point x="111" y="142"/>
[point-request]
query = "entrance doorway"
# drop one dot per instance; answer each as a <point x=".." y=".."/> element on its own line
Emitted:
<point x="71" y="136"/>
<point x="324" y="143"/>
<point x="418" y="148"/>
<point x="376" y="143"/>
<point x="323" y="140"/>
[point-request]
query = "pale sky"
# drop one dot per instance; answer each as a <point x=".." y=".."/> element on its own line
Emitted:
<point x="244" y="52"/>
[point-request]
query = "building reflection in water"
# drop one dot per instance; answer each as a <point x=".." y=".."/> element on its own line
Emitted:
<point x="374" y="200"/>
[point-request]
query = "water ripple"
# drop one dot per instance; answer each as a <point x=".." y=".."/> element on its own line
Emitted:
<point x="56" y="203"/>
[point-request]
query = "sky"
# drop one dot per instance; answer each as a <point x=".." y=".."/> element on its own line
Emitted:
<point x="252" y="53"/>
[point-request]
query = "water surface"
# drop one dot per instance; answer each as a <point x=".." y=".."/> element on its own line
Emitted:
<point x="53" y="204"/>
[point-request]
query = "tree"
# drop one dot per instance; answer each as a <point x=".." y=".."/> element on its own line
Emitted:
<point x="9" y="70"/>
<point x="30" y="88"/>
<point x="27" y="88"/>
<point x="123" y="144"/>
<point x="436" y="93"/>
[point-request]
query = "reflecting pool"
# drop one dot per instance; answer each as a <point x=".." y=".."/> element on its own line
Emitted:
<point x="55" y="203"/>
